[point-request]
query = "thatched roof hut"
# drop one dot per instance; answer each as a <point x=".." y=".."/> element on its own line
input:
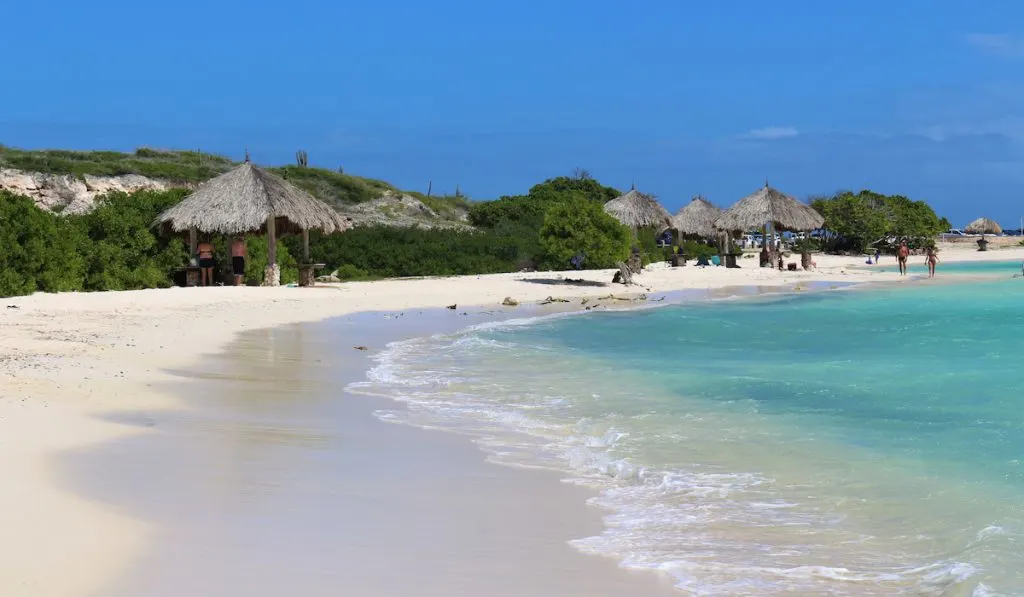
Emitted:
<point x="697" y="218"/>
<point x="769" y="206"/>
<point x="983" y="226"/>
<point x="248" y="200"/>
<point x="244" y="199"/>
<point x="639" y="210"/>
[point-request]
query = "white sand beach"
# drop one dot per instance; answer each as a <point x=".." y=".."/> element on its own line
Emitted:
<point x="68" y="359"/>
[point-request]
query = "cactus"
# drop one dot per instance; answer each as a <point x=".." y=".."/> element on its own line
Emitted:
<point x="341" y="170"/>
<point x="301" y="158"/>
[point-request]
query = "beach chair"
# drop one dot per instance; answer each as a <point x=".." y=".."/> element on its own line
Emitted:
<point x="702" y="261"/>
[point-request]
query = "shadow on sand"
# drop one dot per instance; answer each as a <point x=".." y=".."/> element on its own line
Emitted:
<point x="565" y="282"/>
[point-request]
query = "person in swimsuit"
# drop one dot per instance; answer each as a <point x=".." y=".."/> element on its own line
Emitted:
<point x="238" y="259"/>
<point x="205" y="250"/>
<point x="901" y="256"/>
<point x="931" y="260"/>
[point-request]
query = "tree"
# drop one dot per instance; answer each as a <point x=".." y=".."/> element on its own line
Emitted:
<point x="580" y="182"/>
<point x="581" y="174"/>
<point x="852" y="220"/>
<point x="579" y="225"/>
<point x="529" y="209"/>
<point x="912" y="219"/>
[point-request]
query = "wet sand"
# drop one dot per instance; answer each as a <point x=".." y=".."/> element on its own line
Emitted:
<point x="272" y="480"/>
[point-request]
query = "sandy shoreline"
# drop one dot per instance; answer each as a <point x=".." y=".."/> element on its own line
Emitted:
<point x="67" y="359"/>
<point x="271" y="480"/>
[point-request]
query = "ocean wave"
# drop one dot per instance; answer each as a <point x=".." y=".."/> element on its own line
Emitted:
<point x="716" y="532"/>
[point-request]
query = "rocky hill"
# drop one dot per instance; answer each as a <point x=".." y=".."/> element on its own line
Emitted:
<point x="70" y="181"/>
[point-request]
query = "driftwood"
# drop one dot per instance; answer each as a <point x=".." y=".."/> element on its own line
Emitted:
<point x="612" y="297"/>
<point x="552" y="299"/>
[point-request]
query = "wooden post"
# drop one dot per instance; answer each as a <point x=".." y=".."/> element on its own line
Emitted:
<point x="271" y="240"/>
<point x="271" y="275"/>
<point x="305" y="246"/>
<point x="193" y="242"/>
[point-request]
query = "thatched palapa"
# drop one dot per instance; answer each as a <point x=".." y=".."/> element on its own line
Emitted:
<point x="697" y="218"/>
<point x="243" y="200"/>
<point x="639" y="210"/>
<point x="984" y="226"/>
<point x="769" y="206"/>
<point x="251" y="200"/>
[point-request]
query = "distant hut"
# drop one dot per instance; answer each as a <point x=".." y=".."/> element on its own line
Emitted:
<point x="769" y="208"/>
<point x="250" y="200"/>
<point x="984" y="226"/>
<point x="697" y="218"/>
<point x="639" y="210"/>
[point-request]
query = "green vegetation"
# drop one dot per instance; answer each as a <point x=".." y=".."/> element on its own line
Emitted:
<point x="175" y="166"/>
<point x="520" y="217"/>
<point x="577" y="225"/>
<point x="121" y="251"/>
<point x="371" y="252"/>
<point x="191" y="167"/>
<point x="333" y="187"/>
<point x="37" y="249"/>
<point x="855" y="222"/>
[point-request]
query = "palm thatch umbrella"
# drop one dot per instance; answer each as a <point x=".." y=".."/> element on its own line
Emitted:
<point x="697" y="218"/>
<point x="984" y="226"/>
<point x="769" y="207"/>
<point x="249" y="199"/>
<point x="639" y="210"/>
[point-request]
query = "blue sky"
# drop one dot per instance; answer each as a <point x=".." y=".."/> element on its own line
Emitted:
<point x="922" y="98"/>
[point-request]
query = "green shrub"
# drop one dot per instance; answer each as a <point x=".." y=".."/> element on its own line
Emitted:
<point x="576" y="225"/>
<point x="348" y="271"/>
<point x="333" y="187"/>
<point x="693" y="249"/>
<point x="122" y="251"/>
<point x="808" y="244"/>
<point x="384" y="252"/>
<point x="38" y="250"/>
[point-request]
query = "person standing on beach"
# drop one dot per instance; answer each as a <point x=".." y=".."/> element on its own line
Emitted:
<point x="205" y="250"/>
<point x="901" y="256"/>
<point x="931" y="260"/>
<point x="238" y="259"/>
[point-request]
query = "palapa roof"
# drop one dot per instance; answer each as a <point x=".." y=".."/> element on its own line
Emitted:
<point x="697" y="218"/>
<point x="984" y="226"/>
<point x="639" y="210"/>
<point x="240" y="201"/>
<point x="769" y="205"/>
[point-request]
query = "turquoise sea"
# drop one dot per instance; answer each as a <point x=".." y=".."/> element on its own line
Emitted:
<point x="853" y="442"/>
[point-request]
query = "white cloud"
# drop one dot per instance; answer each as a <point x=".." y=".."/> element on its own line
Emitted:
<point x="997" y="43"/>
<point x="771" y="132"/>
